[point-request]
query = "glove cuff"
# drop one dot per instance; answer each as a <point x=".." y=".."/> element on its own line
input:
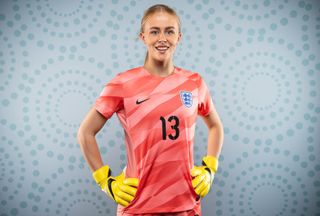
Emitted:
<point x="101" y="173"/>
<point x="211" y="162"/>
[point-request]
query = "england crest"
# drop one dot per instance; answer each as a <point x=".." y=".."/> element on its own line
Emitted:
<point x="186" y="98"/>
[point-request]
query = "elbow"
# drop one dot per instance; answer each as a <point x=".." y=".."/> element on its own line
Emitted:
<point x="214" y="123"/>
<point x="220" y="126"/>
<point x="82" y="135"/>
<point x="217" y="125"/>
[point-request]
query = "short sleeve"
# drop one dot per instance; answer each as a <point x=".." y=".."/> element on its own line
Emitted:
<point x="205" y="104"/>
<point x="110" y="99"/>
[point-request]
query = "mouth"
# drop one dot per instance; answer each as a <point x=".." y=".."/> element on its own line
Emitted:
<point x="162" y="49"/>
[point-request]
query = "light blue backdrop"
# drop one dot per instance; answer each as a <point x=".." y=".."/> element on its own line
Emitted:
<point x="260" y="60"/>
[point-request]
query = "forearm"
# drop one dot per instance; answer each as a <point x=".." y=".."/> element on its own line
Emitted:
<point x="215" y="140"/>
<point x="90" y="151"/>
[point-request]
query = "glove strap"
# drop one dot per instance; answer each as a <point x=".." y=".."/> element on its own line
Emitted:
<point x="101" y="173"/>
<point x="211" y="162"/>
<point x="110" y="180"/>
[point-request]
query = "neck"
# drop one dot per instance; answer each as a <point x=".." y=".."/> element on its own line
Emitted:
<point x="159" y="68"/>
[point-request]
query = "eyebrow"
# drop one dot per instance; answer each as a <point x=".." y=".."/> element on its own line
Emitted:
<point x="169" y="27"/>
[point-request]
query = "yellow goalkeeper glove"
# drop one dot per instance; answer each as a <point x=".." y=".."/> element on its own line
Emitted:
<point x="203" y="175"/>
<point x="122" y="190"/>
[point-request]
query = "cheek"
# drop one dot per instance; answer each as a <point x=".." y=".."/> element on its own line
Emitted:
<point x="174" y="43"/>
<point x="174" y="40"/>
<point x="151" y="42"/>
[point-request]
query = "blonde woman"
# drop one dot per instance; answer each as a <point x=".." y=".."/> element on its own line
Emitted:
<point x="157" y="105"/>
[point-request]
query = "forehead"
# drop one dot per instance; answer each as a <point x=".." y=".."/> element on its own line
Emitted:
<point x="161" y="20"/>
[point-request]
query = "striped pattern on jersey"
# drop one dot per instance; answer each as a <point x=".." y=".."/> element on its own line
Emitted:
<point x="158" y="115"/>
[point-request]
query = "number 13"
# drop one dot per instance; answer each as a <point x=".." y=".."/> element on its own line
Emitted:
<point x="175" y="127"/>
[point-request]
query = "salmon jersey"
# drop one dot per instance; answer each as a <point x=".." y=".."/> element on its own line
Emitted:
<point x="158" y="115"/>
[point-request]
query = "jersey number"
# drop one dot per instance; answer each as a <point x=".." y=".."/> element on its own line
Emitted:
<point x="175" y="127"/>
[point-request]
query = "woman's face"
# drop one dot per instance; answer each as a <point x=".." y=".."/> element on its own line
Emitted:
<point x="161" y="36"/>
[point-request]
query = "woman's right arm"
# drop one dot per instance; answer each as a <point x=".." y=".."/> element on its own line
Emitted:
<point x="89" y="127"/>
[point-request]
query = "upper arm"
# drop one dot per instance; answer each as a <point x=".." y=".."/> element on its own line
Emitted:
<point x="92" y="123"/>
<point x="206" y="108"/>
<point x="205" y="104"/>
<point x="212" y="119"/>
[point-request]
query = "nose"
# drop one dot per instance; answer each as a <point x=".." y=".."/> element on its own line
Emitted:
<point x="162" y="37"/>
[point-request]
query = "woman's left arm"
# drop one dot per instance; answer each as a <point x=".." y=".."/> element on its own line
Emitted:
<point x="203" y="175"/>
<point x="215" y="133"/>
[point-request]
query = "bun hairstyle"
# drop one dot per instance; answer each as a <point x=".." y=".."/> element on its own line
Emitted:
<point x="154" y="9"/>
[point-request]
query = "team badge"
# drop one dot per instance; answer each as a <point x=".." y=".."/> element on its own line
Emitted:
<point x="186" y="98"/>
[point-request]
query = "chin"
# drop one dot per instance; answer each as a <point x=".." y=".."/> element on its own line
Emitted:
<point x="161" y="58"/>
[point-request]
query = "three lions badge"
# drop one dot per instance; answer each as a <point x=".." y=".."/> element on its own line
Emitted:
<point x="186" y="98"/>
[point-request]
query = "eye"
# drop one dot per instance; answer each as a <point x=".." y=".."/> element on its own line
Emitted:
<point x="170" y="32"/>
<point x="153" y="32"/>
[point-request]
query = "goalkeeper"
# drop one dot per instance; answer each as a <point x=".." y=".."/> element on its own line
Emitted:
<point x="157" y="105"/>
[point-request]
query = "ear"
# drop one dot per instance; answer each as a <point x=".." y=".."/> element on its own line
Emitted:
<point x="142" y="37"/>
<point x="179" y="37"/>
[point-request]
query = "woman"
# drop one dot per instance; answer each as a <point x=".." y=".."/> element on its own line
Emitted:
<point x="157" y="105"/>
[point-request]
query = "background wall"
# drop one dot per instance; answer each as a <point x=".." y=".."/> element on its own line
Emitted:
<point x="260" y="60"/>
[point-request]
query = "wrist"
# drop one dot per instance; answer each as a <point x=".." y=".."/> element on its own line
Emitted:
<point x="101" y="174"/>
<point x="211" y="162"/>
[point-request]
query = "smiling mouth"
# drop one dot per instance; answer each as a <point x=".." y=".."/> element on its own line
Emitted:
<point x="162" y="49"/>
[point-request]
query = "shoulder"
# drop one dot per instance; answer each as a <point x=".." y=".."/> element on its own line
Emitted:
<point x="126" y="75"/>
<point x="191" y="75"/>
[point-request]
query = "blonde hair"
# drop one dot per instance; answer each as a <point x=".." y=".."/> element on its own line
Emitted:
<point x="154" y="9"/>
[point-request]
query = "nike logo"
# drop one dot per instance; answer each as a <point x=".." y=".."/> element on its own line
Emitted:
<point x="141" y="101"/>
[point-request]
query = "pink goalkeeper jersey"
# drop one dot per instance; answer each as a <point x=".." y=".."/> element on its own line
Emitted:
<point x="158" y="115"/>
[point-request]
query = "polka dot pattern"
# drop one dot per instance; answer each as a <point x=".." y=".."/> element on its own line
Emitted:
<point x="260" y="60"/>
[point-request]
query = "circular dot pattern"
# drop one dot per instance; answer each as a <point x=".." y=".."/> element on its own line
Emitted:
<point x="260" y="61"/>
